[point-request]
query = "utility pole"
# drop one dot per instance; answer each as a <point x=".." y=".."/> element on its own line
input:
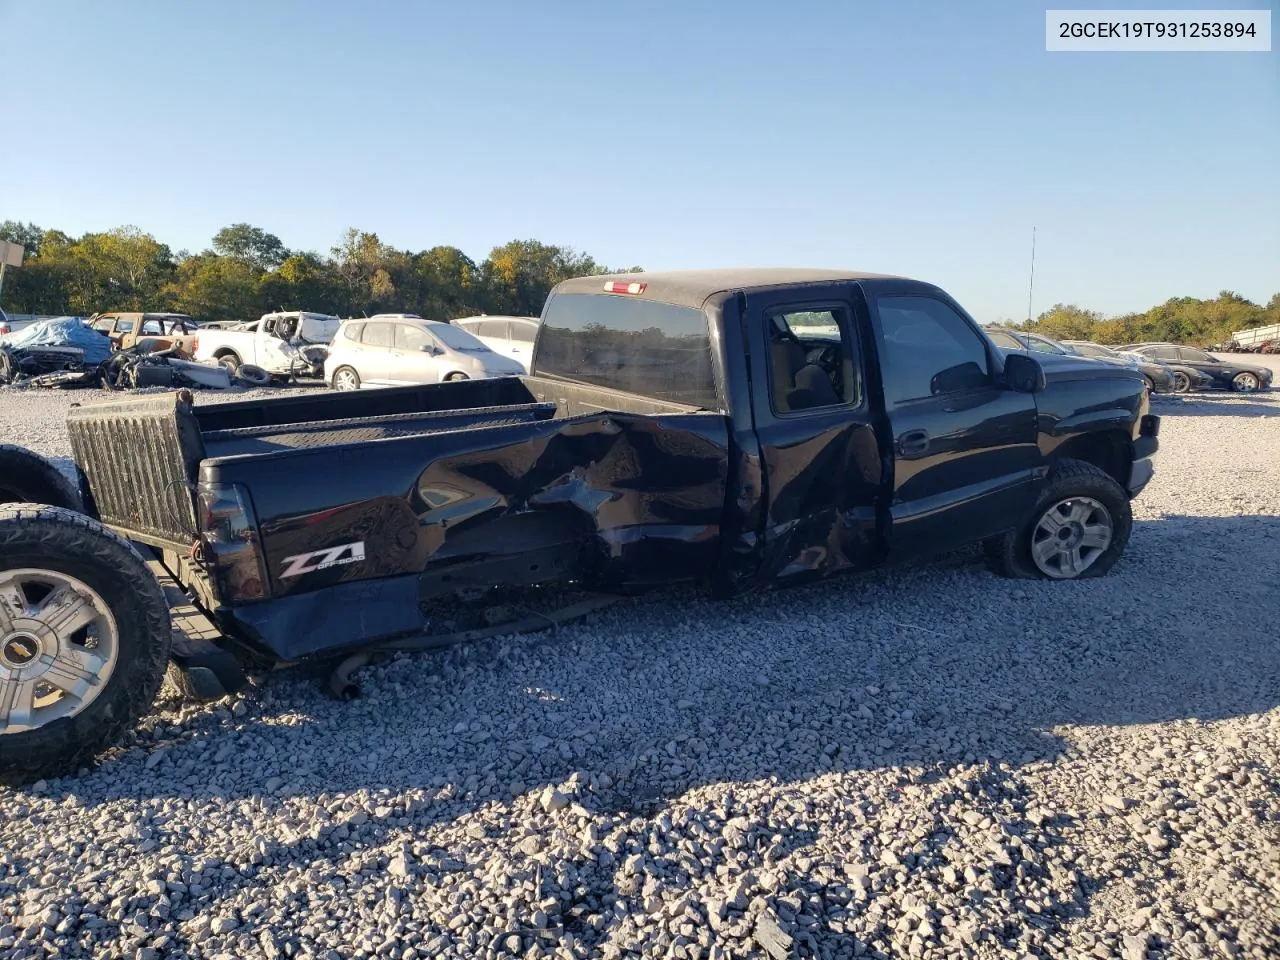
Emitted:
<point x="1031" y="286"/>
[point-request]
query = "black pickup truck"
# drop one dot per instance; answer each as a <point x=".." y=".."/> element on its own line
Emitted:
<point x="722" y="427"/>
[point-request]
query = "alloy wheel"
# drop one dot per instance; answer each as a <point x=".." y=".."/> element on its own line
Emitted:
<point x="58" y="648"/>
<point x="1070" y="536"/>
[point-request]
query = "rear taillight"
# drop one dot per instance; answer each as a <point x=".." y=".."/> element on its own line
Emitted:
<point x="195" y="345"/>
<point x="623" y="286"/>
<point x="229" y="534"/>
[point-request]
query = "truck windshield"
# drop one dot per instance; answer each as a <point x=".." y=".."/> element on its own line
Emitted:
<point x="645" y="347"/>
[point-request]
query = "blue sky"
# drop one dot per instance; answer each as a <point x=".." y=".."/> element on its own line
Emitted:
<point x="916" y="138"/>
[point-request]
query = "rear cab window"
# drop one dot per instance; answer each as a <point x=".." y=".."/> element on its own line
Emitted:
<point x="647" y="347"/>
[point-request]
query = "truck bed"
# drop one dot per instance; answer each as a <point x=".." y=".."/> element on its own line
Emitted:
<point x="445" y="486"/>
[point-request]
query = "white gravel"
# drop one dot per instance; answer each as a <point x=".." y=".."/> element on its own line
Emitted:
<point x="921" y="762"/>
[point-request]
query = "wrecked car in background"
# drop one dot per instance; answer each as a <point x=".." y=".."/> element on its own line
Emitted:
<point x="726" y="428"/>
<point x="167" y="329"/>
<point x="57" y="350"/>
<point x="291" y="343"/>
<point x="147" y="365"/>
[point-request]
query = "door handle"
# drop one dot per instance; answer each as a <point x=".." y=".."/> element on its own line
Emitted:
<point x="913" y="442"/>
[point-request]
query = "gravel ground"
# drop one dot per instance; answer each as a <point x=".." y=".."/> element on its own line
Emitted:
<point x="928" y="761"/>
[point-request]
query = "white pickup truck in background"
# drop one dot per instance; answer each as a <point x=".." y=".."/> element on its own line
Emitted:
<point x="293" y="343"/>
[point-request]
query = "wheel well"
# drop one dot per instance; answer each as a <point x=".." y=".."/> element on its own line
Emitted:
<point x="226" y="352"/>
<point x="1108" y="450"/>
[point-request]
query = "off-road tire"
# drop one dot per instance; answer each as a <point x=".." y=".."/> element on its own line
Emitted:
<point x="52" y="538"/>
<point x="28" y="478"/>
<point x="1010" y="553"/>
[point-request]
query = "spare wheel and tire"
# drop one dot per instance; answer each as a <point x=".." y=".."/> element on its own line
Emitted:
<point x="84" y="640"/>
<point x="252" y="375"/>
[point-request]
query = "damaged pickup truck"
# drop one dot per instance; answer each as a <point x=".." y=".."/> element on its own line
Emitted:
<point x="728" y="428"/>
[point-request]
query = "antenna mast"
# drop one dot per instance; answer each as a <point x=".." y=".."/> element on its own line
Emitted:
<point x="1031" y="285"/>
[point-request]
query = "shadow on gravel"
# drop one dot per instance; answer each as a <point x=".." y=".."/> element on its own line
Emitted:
<point x="1222" y="404"/>
<point x="904" y="671"/>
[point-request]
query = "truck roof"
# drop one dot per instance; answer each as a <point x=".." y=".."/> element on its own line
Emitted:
<point x="693" y="287"/>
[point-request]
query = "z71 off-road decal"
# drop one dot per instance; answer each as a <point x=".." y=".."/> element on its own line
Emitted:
<point x="322" y="559"/>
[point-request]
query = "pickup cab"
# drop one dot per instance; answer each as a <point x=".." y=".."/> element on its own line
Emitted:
<point x="728" y="428"/>
<point x="291" y="343"/>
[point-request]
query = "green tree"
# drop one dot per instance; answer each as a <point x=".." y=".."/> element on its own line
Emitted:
<point x="213" y="287"/>
<point x="27" y="234"/>
<point x="519" y="275"/>
<point x="305" y="281"/>
<point x="1065" y="321"/>
<point x="251" y="244"/>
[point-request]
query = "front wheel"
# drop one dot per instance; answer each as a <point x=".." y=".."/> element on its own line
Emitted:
<point x="1079" y="528"/>
<point x="84" y="640"/>
<point x="1245" y="382"/>
<point x="345" y="378"/>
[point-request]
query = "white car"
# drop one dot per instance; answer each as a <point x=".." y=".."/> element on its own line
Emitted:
<point x="510" y="336"/>
<point x="393" y="351"/>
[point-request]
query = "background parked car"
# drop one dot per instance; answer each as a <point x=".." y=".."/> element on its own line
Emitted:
<point x="126" y="329"/>
<point x="510" y="336"/>
<point x="1160" y="378"/>
<point x="1224" y="374"/>
<point x="396" y="351"/>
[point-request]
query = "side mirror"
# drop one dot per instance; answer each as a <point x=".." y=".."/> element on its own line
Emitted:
<point x="1023" y="373"/>
<point x="963" y="376"/>
<point x="431" y="348"/>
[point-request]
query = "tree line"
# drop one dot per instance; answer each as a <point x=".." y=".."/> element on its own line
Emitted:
<point x="1184" y="320"/>
<point x="247" y="272"/>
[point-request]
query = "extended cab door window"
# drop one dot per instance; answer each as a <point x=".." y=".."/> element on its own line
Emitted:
<point x="820" y="460"/>
<point x="812" y="362"/>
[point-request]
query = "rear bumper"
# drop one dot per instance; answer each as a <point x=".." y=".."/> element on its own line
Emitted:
<point x="338" y="617"/>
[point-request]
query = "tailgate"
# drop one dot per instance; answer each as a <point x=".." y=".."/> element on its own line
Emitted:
<point x="140" y="458"/>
